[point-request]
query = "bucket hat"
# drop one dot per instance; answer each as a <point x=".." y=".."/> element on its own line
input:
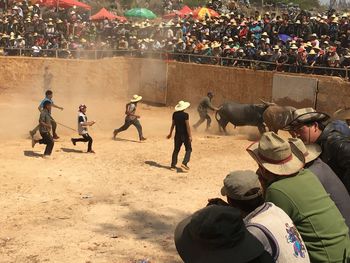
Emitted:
<point x="310" y="151"/>
<point x="305" y="116"/>
<point x="136" y="98"/>
<point x="275" y="154"/>
<point x="216" y="234"/>
<point x="182" y="105"/>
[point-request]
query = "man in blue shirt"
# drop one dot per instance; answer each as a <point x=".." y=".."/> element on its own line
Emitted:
<point x="48" y="97"/>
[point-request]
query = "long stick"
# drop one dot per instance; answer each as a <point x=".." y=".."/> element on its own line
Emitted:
<point x="66" y="126"/>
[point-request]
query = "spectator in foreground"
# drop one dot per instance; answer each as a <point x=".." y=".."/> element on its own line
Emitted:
<point x="301" y="195"/>
<point x="216" y="234"/>
<point x="330" y="181"/>
<point x="312" y="127"/>
<point x="267" y="222"/>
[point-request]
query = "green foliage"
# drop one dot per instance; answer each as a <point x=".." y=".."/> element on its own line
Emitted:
<point x="304" y="4"/>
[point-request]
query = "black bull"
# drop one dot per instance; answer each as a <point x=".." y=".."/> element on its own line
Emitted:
<point x="241" y="115"/>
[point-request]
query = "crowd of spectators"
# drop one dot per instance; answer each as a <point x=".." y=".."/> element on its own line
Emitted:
<point x="302" y="43"/>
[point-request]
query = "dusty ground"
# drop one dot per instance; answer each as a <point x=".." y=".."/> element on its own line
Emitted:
<point x="119" y="205"/>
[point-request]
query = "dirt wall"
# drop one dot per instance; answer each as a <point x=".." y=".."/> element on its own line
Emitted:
<point x="84" y="81"/>
<point x="191" y="82"/>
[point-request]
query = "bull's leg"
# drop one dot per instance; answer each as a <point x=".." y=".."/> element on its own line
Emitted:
<point x="224" y="125"/>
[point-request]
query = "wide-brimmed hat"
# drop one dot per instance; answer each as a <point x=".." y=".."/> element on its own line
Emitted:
<point x="342" y="114"/>
<point x="275" y="155"/>
<point x="182" y="105"/>
<point x="237" y="185"/>
<point x="136" y="98"/>
<point x="216" y="234"/>
<point x="305" y="116"/>
<point x="310" y="151"/>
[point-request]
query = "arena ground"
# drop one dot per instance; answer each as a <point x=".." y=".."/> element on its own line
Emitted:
<point x="119" y="205"/>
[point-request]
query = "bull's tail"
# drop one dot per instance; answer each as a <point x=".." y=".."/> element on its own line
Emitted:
<point x="217" y="114"/>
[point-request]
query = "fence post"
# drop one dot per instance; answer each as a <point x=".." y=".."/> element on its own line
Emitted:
<point x="56" y="53"/>
<point x="95" y="54"/>
<point x="20" y="52"/>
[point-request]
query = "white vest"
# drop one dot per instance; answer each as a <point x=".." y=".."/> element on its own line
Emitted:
<point x="280" y="231"/>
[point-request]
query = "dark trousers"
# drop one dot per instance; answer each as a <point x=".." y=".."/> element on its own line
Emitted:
<point x="178" y="141"/>
<point x="128" y="123"/>
<point x="48" y="140"/>
<point x="203" y="116"/>
<point x="86" y="138"/>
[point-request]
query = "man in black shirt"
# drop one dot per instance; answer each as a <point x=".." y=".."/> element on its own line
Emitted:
<point x="182" y="134"/>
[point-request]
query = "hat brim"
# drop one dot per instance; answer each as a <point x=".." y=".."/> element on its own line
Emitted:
<point x="137" y="99"/>
<point x="294" y="165"/>
<point x="314" y="116"/>
<point x="190" y="250"/>
<point x="182" y="107"/>
<point x="313" y="151"/>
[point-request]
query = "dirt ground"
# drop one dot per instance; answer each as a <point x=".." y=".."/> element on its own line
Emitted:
<point x="121" y="204"/>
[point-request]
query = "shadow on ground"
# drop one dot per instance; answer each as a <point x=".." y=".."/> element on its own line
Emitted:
<point x="155" y="228"/>
<point x="158" y="165"/>
<point x="69" y="150"/>
<point x="124" y="140"/>
<point x="32" y="154"/>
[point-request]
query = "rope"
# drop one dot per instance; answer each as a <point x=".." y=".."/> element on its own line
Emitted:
<point x="65" y="126"/>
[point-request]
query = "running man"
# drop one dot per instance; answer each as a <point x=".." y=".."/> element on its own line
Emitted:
<point x="131" y="118"/>
<point x="48" y="97"/>
<point x="83" y="125"/>
<point x="203" y="107"/>
<point x="45" y="123"/>
<point x="182" y="134"/>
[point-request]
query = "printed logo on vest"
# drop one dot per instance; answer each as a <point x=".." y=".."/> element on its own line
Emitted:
<point x="294" y="238"/>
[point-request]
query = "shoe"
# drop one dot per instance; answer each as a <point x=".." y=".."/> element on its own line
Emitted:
<point x="184" y="166"/>
<point x="143" y="139"/>
<point x="172" y="168"/>
<point x="31" y="133"/>
<point x="115" y="133"/>
<point x="74" y="142"/>
<point x="33" y="142"/>
<point x="47" y="157"/>
<point x="90" y="151"/>
<point x="55" y="137"/>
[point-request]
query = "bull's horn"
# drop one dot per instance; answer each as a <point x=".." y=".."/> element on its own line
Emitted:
<point x="267" y="103"/>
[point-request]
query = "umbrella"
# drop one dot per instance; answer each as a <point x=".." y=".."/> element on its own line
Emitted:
<point x="284" y="37"/>
<point x="140" y="13"/>
<point x="104" y="14"/>
<point x="181" y="13"/>
<point x="202" y="12"/>
<point x="65" y="4"/>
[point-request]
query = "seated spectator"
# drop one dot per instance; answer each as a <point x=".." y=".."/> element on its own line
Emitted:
<point x="267" y="222"/>
<point x="216" y="234"/>
<point x="330" y="181"/>
<point x="312" y="127"/>
<point x="301" y="195"/>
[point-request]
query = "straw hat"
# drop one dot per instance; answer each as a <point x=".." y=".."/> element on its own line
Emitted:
<point x="294" y="47"/>
<point x="264" y="34"/>
<point x="276" y="47"/>
<point x="342" y="114"/>
<point x="312" y="52"/>
<point x="182" y="105"/>
<point x="306" y="116"/>
<point x="216" y="45"/>
<point x="275" y="155"/>
<point x="136" y="98"/>
<point x="310" y="151"/>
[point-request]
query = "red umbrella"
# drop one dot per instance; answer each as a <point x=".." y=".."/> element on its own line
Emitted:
<point x="65" y="4"/>
<point x="181" y="13"/>
<point x="104" y="14"/>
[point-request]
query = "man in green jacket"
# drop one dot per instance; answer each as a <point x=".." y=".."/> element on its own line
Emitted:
<point x="300" y="194"/>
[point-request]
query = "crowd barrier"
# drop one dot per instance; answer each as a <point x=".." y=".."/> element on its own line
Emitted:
<point x="181" y="57"/>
